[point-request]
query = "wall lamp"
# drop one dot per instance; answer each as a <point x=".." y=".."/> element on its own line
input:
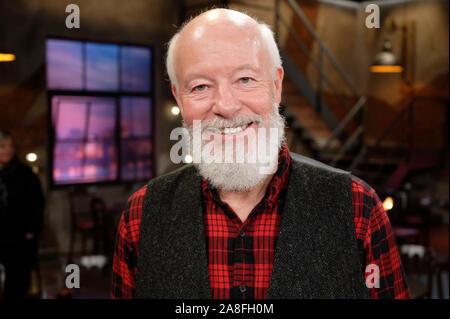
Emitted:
<point x="385" y="61"/>
<point x="7" y="57"/>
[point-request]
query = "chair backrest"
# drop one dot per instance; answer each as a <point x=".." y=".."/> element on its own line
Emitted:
<point x="420" y="266"/>
<point x="79" y="201"/>
<point x="97" y="210"/>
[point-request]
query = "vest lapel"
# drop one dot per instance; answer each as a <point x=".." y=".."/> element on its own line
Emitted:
<point x="173" y="262"/>
<point x="188" y="243"/>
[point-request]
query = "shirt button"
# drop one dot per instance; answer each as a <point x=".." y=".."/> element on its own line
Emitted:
<point x="242" y="288"/>
<point x="242" y="234"/>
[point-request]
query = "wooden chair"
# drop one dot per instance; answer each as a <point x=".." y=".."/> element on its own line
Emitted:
<point x="420" y="267"/>
<point x="86" y="215"/>
<point x="442" y="267"/>
<point x="36" y="286"/>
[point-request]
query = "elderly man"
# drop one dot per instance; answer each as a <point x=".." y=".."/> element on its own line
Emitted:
<point x="296" y="229"/>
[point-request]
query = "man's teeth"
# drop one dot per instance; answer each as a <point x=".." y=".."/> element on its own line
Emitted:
<point x="233" y="130"/>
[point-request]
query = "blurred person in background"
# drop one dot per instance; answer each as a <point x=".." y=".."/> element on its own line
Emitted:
<point x="21" y="215"/>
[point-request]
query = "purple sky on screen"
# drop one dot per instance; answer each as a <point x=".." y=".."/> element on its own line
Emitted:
<point x="102" y="120"/>
<point x="135" y="69"/>
<point x="70" y="121"/>
<point x="136" y="159"/>
<point x="102" y="71"/>
<point x="64" y="64"/>
<point x="135" y="116"/>
<point x="67" y="161"/>
<point x="71" y="117"/>
<point x="99" y="164"/>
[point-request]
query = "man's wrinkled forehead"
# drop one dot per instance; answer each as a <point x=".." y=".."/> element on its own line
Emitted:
<point x="219" y="17"/>
<point x="217" y="22"/>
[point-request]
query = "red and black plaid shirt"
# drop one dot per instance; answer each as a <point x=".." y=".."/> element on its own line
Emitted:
<point x="240" y="255"/>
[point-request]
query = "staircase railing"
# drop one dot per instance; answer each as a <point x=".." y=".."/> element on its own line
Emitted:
<point x="356" y="111"/>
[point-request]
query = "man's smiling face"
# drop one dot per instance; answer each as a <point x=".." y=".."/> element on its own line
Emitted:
<point x="224" y="71"/>
<point x="224" y="78"/>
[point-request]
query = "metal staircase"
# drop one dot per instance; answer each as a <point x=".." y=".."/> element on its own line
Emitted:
<point x="334" y="141"/>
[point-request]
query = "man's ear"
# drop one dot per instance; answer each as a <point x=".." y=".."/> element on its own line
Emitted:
<point x="279" y="74"/>
<point x="175" y="94"/>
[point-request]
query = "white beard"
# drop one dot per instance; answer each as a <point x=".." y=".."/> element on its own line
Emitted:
<point x="243" y="176"/>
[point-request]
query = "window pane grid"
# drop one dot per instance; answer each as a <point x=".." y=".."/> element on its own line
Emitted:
<point x="93" y="66"/>
<point x="106" y="135"/>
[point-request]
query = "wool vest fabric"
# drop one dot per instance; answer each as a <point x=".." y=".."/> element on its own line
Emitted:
<point x="316" y="254"/>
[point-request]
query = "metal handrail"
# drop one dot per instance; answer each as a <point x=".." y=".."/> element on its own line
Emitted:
<point x="357" y="108"/>
<point x="350" y="115"/>
<point x="310" y="57"/>
<point x="348" y="144"/>
<point x="323" y="47"/>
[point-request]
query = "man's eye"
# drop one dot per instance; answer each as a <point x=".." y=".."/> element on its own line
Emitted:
<point x="245" y="79"/>
<point x="199" y="87"/>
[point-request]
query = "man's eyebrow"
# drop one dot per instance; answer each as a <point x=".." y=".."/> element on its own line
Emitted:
<point x="246" y="67"/>
<point x="194" y="76"/>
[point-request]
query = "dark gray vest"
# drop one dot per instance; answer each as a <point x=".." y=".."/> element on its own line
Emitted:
<point x="316" y="254"/>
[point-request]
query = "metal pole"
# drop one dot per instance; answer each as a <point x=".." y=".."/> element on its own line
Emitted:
<point x="320" y="83"/>
<point x="411" y="130"/>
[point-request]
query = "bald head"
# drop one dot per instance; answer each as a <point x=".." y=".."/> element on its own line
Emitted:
<point x="224" y="25"/>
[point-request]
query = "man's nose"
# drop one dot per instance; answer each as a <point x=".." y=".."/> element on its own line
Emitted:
<point x="226" y="105"/>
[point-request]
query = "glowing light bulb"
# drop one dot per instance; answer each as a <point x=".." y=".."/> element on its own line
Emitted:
<point x="175" y="110"/>
<point x="188" y="158"/>
<point x="31" y="157"/>
<point x="388" y="203"/>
